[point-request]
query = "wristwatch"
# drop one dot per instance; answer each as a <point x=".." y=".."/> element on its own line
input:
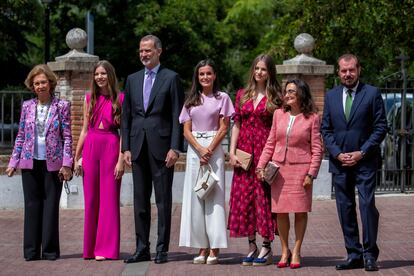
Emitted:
<point x="362" y="153"/>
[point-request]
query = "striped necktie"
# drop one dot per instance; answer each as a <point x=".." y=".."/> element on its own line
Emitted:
<point x="147" y="88"/>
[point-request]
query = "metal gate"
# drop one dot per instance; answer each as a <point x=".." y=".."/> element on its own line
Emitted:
<point x="397" y="151"/>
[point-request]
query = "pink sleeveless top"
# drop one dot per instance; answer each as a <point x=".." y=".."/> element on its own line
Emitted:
<point x="102" y="112"/>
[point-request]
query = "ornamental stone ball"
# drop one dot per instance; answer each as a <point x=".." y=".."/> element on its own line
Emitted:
<point x="77" y="39"/>
<point x="304" y="43"/>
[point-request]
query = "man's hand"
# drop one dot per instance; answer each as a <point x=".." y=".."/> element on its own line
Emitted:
<point x="171" y="158"/>
<point x="127" y="158"/>
<point x="349" y="159"/>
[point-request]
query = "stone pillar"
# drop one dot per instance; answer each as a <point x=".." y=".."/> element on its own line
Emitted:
<point x="74" y="71"/>
<point x="304" y="66"/>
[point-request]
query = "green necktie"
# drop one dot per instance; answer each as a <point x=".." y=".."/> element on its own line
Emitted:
<point x="348" y="103"/>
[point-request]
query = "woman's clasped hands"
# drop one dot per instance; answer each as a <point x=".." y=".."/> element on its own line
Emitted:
<point x="205" y="154"/>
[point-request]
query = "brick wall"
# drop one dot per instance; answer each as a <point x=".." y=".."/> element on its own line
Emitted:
<point x="73" y="85"/>
<point x="316" y="84"/>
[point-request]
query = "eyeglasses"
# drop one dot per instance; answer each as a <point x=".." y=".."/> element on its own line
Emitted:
<point x="290" y="91"/>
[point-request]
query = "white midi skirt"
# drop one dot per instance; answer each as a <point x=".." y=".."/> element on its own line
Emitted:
<point x="203" y="222"/>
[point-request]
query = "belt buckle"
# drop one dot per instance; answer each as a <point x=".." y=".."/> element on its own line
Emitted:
<point x="201" y="135"/>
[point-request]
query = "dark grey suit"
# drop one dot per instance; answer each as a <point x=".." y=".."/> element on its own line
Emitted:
<point x="149" y="135"/>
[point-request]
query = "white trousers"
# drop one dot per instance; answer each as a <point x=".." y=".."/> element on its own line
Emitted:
<point x="203" y="222"/>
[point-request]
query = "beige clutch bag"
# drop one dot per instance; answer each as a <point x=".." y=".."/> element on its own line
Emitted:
<point x="244" y="158"/>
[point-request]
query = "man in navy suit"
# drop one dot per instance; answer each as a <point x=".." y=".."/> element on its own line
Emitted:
<point x="151" y="140"/>
<point x="353" y="126"/>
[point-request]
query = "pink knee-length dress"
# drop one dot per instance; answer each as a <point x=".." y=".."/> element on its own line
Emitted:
<point x="295" y="145"/>
<point x="101" y="189"/>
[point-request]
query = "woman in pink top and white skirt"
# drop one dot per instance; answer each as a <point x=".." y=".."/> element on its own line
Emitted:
<point x="206" y="118"/>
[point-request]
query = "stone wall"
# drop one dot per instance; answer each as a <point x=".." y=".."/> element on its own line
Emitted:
<point x="73" y="86"/>
<point x="308" y="68"/>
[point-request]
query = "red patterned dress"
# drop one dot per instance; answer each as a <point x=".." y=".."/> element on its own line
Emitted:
<point x="250" y="205"/>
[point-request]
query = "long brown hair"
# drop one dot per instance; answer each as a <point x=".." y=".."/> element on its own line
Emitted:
<point x="112" y="88"/>
<point x="273" y="91"/>
<point x="194" y="97"/>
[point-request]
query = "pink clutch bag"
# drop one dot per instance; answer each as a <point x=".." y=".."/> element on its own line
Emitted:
<point x="270" y="172"/>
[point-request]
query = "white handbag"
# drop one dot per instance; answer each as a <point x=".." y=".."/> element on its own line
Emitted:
<point x="205" y="183"/>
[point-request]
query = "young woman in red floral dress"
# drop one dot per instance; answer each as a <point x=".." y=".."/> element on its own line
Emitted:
<point x="250" y="205"/>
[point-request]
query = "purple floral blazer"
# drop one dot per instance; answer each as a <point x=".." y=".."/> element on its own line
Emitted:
<point x="58" y="136"/>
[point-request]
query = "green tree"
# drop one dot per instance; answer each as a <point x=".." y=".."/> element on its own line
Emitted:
<point x="375" y="30"/>
<point x="232" y="32"/>
<point x="18" y="21"/>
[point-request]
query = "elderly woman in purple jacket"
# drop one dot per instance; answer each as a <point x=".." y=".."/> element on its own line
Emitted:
<point x="43" y="152"/>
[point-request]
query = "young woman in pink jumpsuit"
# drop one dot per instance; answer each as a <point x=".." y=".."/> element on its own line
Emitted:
<point x="102" y="164"/>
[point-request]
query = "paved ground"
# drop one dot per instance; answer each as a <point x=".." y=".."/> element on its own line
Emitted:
<point x="323" y="246"/>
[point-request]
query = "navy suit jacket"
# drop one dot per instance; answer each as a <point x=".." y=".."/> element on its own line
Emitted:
<point x="365" y="129"/>
<point x="159" y="123"/>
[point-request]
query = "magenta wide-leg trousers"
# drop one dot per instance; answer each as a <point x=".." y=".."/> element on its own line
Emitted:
<point x="101" y="194"/>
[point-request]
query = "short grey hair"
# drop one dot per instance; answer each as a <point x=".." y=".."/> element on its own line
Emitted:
<point x="157" y="41"/>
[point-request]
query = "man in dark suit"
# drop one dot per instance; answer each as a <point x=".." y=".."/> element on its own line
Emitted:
<point x="151" y="139"/>
<point x="353" y="126"/>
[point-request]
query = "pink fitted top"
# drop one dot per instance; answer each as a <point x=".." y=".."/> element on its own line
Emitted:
<point x="205" y="117"/>
<point x="103" y="112"/>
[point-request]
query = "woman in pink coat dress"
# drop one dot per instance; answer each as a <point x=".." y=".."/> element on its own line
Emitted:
<point x="43" y="152"/>
<point x="102" y="164"/>
<point x="295" y="145"/>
